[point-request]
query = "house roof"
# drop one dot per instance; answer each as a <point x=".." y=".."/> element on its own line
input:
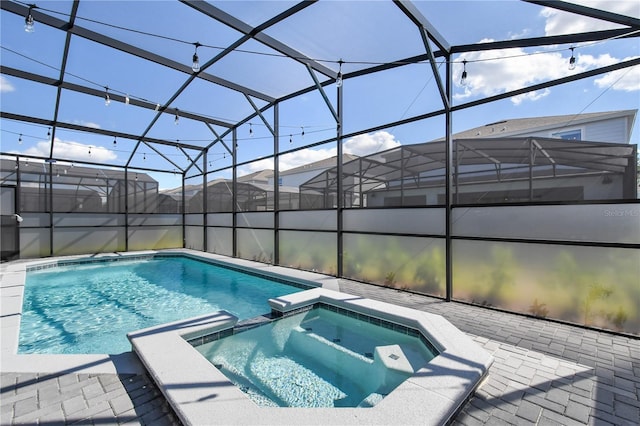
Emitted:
<point x="260" y="176"/>
<point x="69" y="170"/>
<point x="530" y="125"/>
<point x="326" y="163"/>
<point x="427" y="160"/>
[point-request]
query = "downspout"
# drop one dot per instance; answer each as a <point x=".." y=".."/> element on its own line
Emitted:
<point x="532" y="158"/>
<point x="276" y="184"/>
<point x="205" y="198"/>
<point x="340" y="192"/>
<point x="183" y="211"/>
<point x="126" y="209"/>
<point x="234" y="194"/>
<point x="448" y="186"/>
<point x="50" y="190"/>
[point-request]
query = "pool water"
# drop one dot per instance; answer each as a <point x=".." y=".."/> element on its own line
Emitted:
<point x="318" y="358"/>
<point x="89" y="308"/>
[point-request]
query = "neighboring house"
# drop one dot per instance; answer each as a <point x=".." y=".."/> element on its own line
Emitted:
<point x="263" y="177"/>
<point x="554" y="158"/>
<point x="78" y="189"/>
<point x="530" y="159"/>
<point x="298" y="175"/>
<point x="256" y="190"/>
<point x="613" y="126"/>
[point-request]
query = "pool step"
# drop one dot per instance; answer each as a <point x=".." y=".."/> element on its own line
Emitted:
<point x="368" y="373"/>
<point x="371" y="400"/>
<point x="305" y="339"/>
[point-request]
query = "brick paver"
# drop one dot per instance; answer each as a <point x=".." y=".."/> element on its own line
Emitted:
<point x="544" y="373"/>
<point x="83" y="399"/>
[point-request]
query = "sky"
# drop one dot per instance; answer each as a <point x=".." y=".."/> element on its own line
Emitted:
<point x="359" y="33"/>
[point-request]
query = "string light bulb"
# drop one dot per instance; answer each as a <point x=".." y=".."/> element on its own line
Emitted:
<point x="572" y="60"/>
<point x="126" y="99"/>
<point x="196" y="61"/>
<point x="250" y="130"/>
<point x="463" y="77"/>
<point x="115" y="142"/>
<point x="29" y="21"/>
<point x="339" y="76"/>
<point x="302" y="134"/>
<point x="20" y="139"/>
<point x="290" y="139"/>
<point x="89" y="151"/>
<point x="157" y="107"/>
<point x="49" y="133"/>
<point x="107" y="99"/>
<point x="176" y="120"/>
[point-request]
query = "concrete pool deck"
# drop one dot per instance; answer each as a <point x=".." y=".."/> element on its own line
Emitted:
<point x="544" y="373"/>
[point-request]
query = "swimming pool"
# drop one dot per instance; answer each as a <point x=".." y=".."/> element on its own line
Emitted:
<point x="88" y="307"/>
<point x="319" y="358"/>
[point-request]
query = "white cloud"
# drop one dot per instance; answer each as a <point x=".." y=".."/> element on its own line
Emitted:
<point x="358" y="145"/>
<point x="487" y="75"/>
<point x="369" y="143"/>
<point x="559" y="22"/>
<point x="87" y="124"/>
<point x="72" y="151"/>
<point x="530" y="96"/>
<point x="256" y="166"/>
<point x="493" y="72"/>
<point x="627" y="80"/>
<point x="306" y="156"/>
<point x="5" y="85"/>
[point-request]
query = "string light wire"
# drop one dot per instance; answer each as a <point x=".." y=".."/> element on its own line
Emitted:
<point x="339" y="62"/>
<point x="320" y="60"/>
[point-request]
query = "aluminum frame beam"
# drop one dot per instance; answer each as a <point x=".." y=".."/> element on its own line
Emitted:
<point x="65" y="55"/>
<point x="127" y="48"/>
<point x="419" y="20"/>
<point x="77" y="127"/>
<point x="589" y="12"/>
<point x="100" y="93"/>
<point x="257" y="32"/>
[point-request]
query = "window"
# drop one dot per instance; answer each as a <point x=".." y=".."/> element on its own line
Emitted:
<point x="570" y="135"/>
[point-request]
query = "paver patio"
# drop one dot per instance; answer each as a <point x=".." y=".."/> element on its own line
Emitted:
<point x="544" y="373"/>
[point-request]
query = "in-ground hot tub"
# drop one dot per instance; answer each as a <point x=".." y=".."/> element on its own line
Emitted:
<point x="320" y="358"/>
<point x="200" y="393"/>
